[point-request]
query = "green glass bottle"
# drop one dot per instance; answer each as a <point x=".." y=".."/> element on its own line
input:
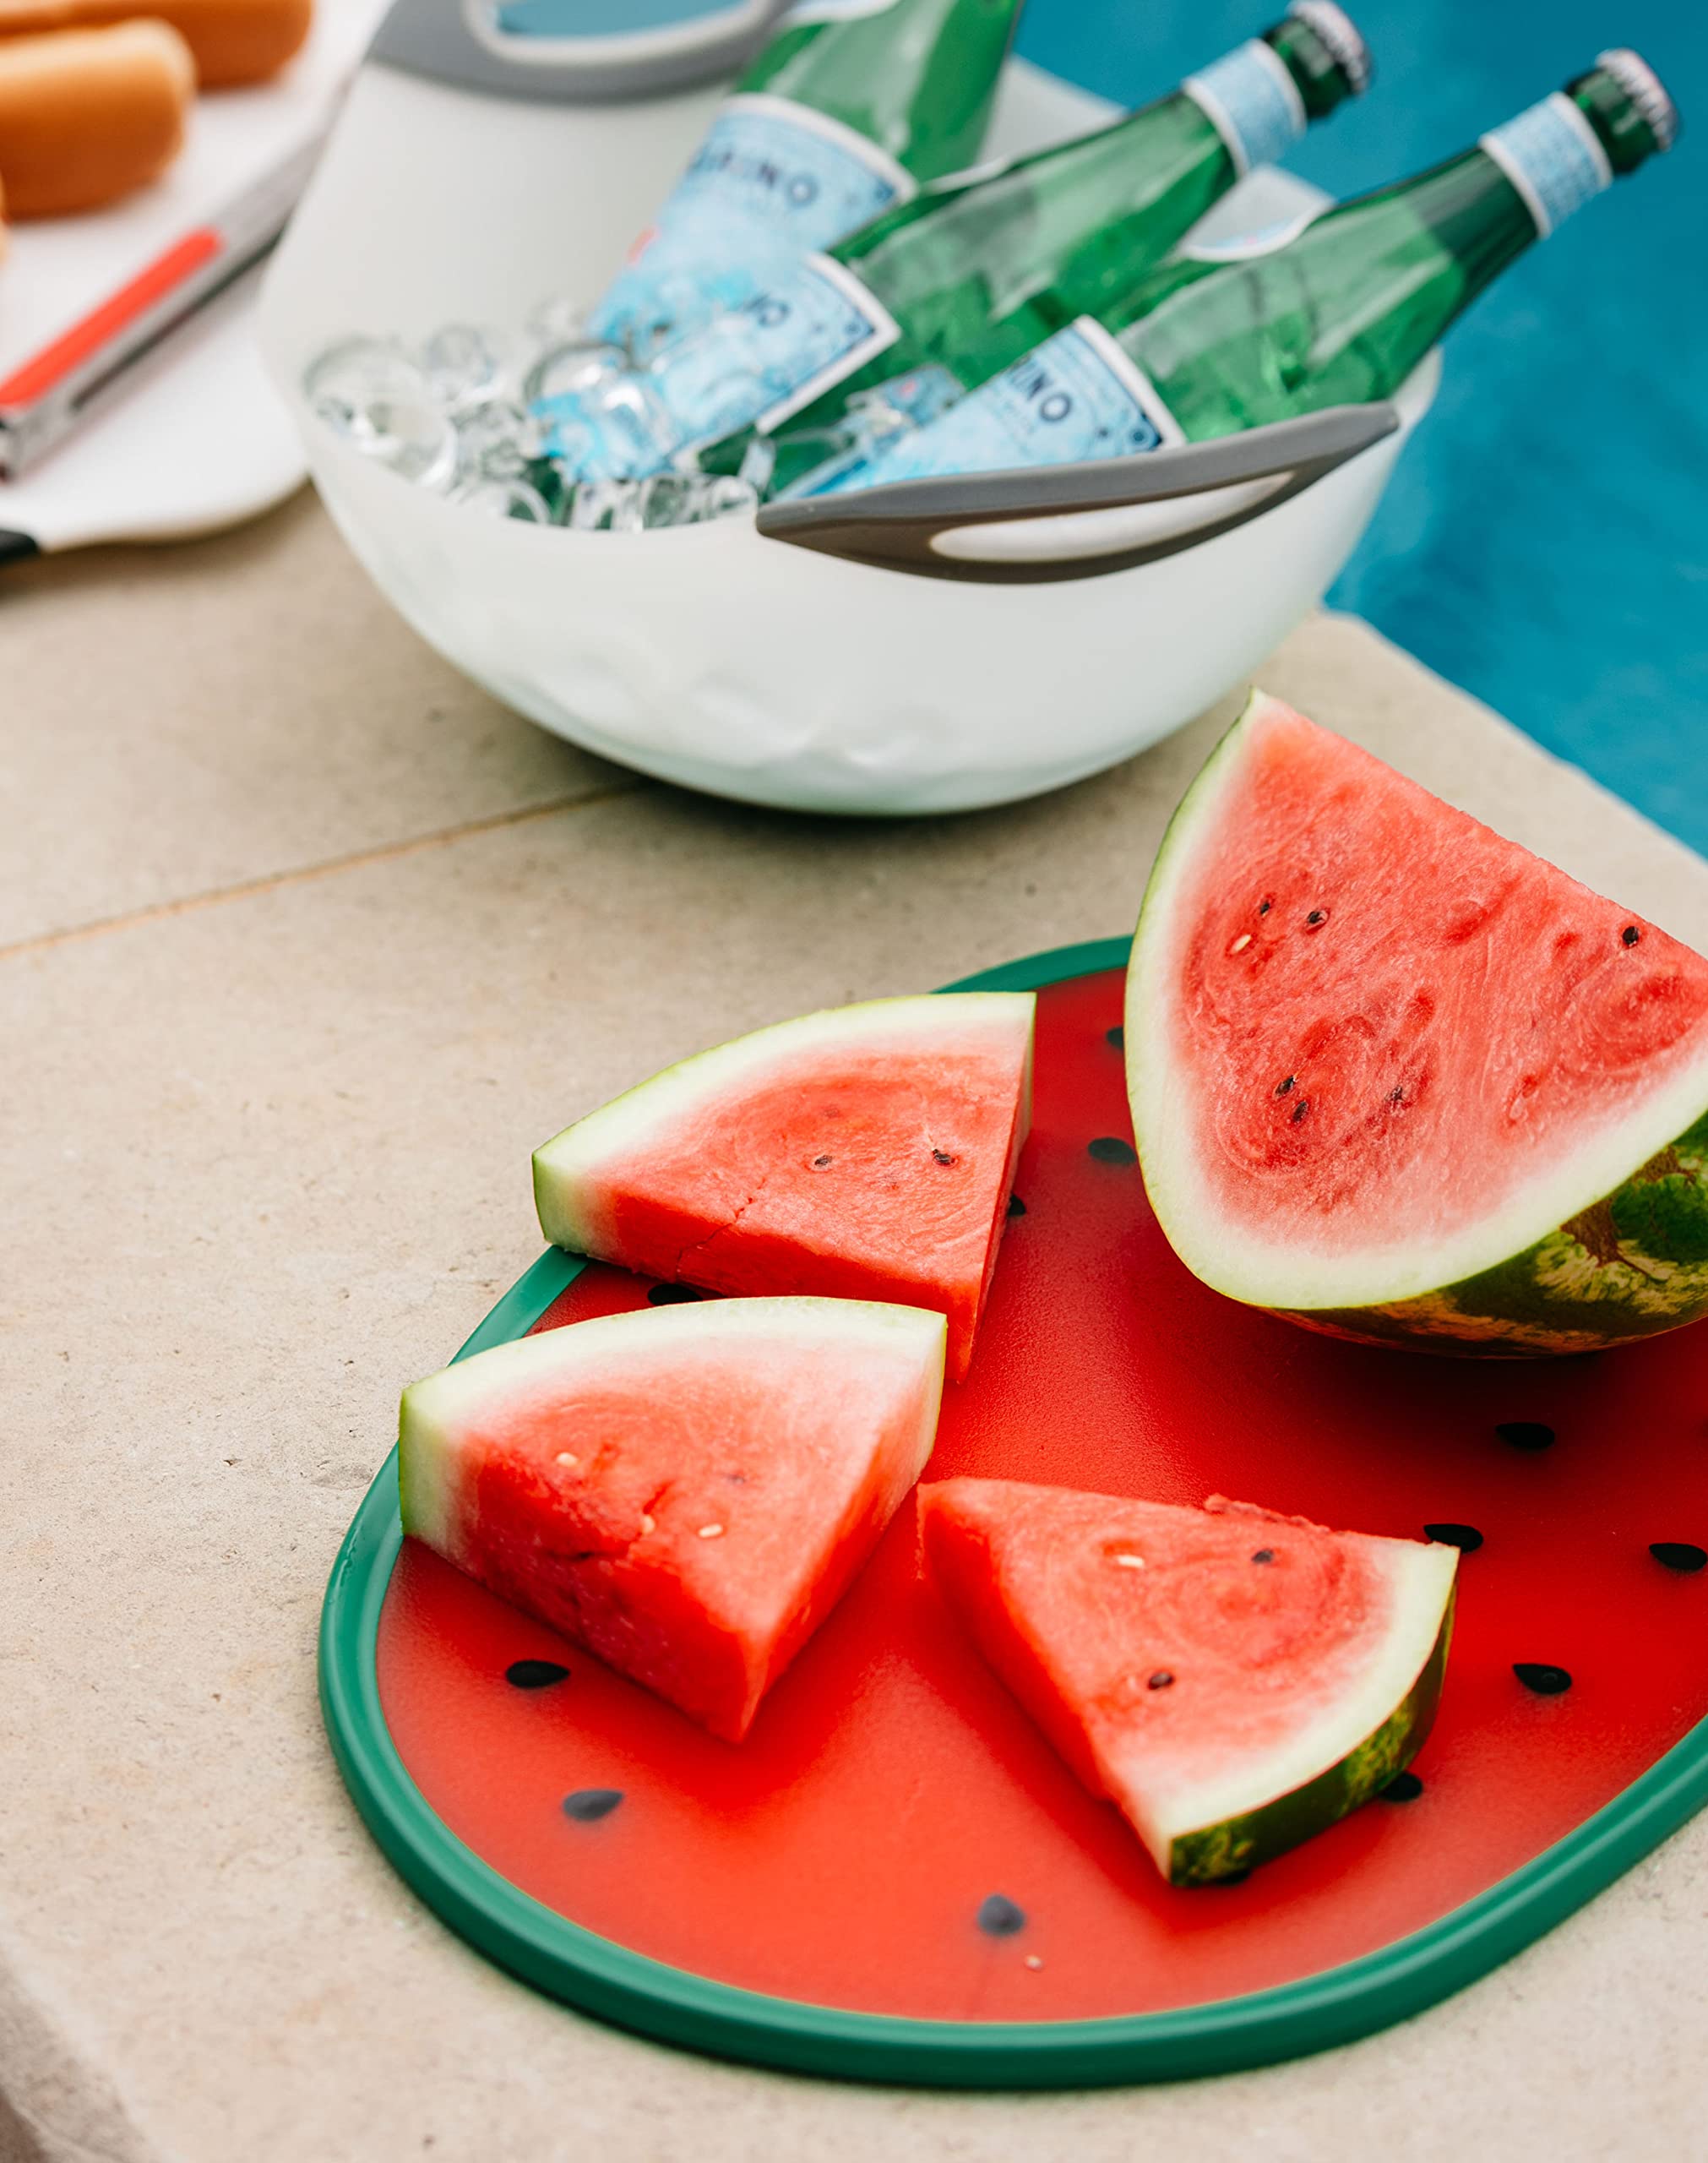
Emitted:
<point x="915" y="77"/>
<point x="849" y="108"/>
<point x="1338" y="308"/>
<point x="989" y="263"/>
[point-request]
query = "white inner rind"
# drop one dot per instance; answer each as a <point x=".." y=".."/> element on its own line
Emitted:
<point x="568" y="1168"/>
<point x="438" y="1414"/>
<point x="1421" y="1579"/>
<point x="1235" y="1258"/>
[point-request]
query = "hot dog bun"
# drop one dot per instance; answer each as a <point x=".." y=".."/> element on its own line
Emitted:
<point x="233" y="41"/>
<point x="86" y="116"/>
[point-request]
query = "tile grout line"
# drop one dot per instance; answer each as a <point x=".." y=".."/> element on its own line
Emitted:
<point x="271" y="882"/>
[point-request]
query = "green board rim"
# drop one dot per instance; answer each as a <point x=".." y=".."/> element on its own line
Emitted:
<point x="601" y="1977"/>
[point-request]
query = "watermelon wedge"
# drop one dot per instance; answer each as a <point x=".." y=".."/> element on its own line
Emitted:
<point x="1397" y="1079"/>
<point x="1233" y="1681"/>
<point x="864" y="1153"/>
<point x="687" y="1491"/>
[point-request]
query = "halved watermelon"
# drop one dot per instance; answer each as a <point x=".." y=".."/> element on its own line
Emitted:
<point x="687" y="1490"/>
<point x="863" y="1153"/>
<point x="1400" y="1080"/>
<point x="1233" y="1681"/>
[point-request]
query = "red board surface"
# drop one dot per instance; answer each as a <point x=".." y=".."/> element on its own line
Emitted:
<point x="890" y="1787"/>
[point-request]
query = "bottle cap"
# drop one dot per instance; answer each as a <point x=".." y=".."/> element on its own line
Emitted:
<point x="1346" y="43"/>
<point x="1644" y="87"/>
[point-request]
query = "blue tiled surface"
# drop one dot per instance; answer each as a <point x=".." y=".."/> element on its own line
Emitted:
<point x="1545" y="541"/>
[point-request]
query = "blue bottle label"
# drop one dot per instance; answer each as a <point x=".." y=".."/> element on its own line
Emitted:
<point x="1251" y="100"/>
<point x="1553" y="157"/>
<point x="1077" y="396"/>
<point x="769" y="170"/>
<point x="877" y="418"/>
<point x="807" y="323"/>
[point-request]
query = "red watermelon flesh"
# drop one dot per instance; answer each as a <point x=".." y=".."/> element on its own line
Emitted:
<point x="863" y="1153"/>
<point x="1376" y="1050"/>
<point x="1232" y="1680"/>
<point x="687" y="1491"/>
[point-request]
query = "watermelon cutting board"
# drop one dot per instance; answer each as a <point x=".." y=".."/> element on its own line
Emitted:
<point x="895" y="1877"/>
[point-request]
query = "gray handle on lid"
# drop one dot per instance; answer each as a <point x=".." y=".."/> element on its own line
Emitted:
<point x="898" y="527"/>
<point x="438" y="38"/>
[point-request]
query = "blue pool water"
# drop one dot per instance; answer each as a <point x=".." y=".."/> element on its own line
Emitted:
<point x="1545" y="540"/>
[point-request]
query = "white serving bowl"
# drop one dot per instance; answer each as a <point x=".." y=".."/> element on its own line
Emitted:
<point x="965" y="666"/>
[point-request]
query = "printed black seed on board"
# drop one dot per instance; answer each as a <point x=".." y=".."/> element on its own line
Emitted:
<point x="534" y="1674"/>
<point x="999" y="1916"/>
<point x="1678" y="1555"/>
<point x="1016" y="1207"/>
<point x="1464" y="1537"/>
<point x="1111" y="1149"/>
<point x="1115" y="1038"/>
<point x="1404" y="1787"/>
<point x="1547" y="1682"/>
<point x="587" y="1805"/>
<point x="1526" y="1433"/>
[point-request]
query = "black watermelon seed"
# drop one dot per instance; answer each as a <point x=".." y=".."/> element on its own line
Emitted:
<point x="534" y="1674"/>
<point x="1016" y="1207"/>
<point x="1630" y="934"/>
<point x="672" y="1295"/>
<point x="1464" y="1537"/>
<point x="1678" y="1555"/>
<point x="1264" y="1554"/>
<point x="1281" y="1088"/>
<point x="999" y="1916"/>
<point x="1111" y="1149"/>
<point x="942" y="1155"/>
<point x="1162" y="1680"/>
<point x="587" y="1805"/>
<point x="1537" y="1674"/>
<point x="1404" y="1787"/>
<point x="821" y="1163"/>
<point x="1318" y="916"/>
<point x="1264" y="907"/>
<point x="1300" y="1109"/>
<point x="1526" y="1433"/>
<point x="1115" y="1038"/>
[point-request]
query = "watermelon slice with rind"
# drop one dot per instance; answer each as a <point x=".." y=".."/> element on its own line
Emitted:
<point x="1233" y="1681"/>
<point x="865" y="1153"/>
<point x="1400" y="1080"/>
<point x="687" y="1490"/>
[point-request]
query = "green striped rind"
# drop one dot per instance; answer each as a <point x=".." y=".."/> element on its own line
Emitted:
<point x="1630" y="1265"/>
<point x="1633" y="1264"/>
<point x="1240" y="1843"/>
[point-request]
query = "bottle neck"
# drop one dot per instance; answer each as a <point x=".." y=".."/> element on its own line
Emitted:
<point x="1253" y="101"/>
<point x="1247" y="109"/>
<point x="1552" y="157"/>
